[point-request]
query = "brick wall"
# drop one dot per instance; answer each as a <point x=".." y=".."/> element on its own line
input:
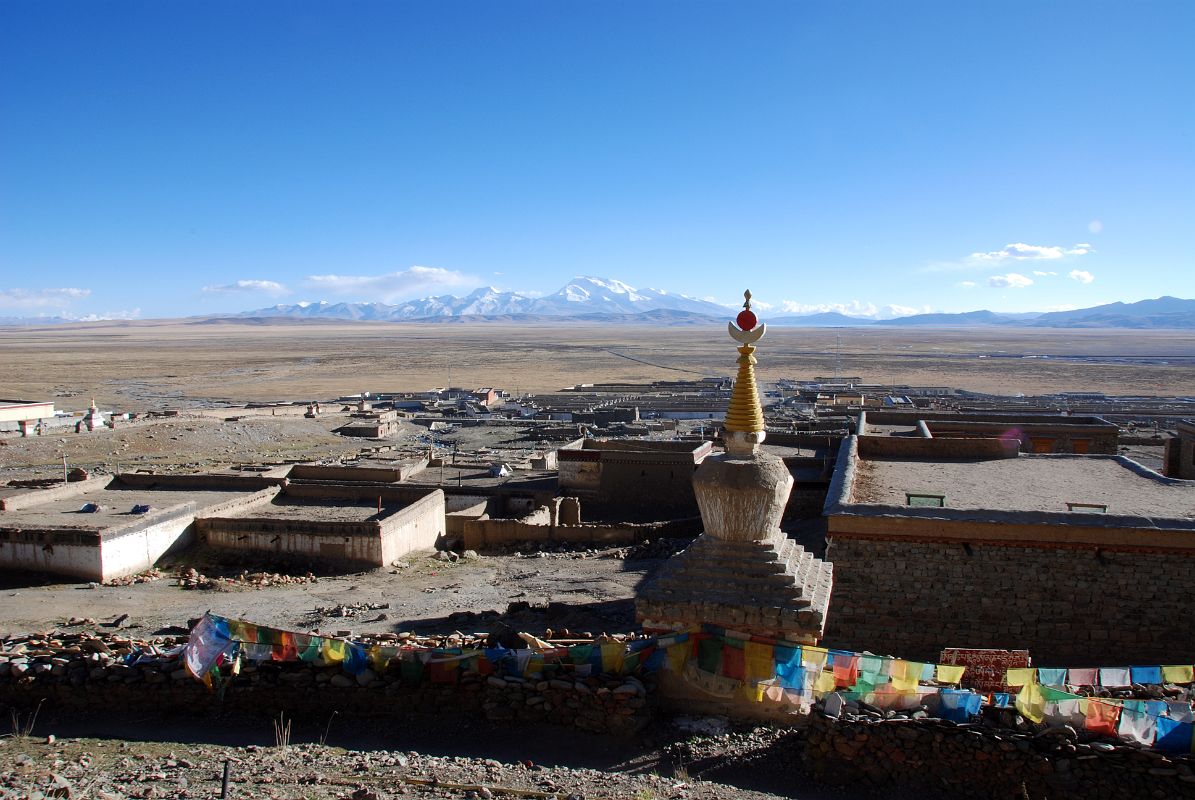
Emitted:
<point x="1068" y="607"/>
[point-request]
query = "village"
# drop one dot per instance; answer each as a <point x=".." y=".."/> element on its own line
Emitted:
<point x="873" y="566"/>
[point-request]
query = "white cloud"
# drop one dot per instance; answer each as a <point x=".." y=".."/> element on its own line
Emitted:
<point x="893" y="310"/>
<point x="1041" y="274"/>
<point x="1013" y="280"/>
<point x="392" y="286"/>
<point x="966" y="284"/>
<point x="269" y="287"/>
<point x="1081" y="275"/>
<point x="41" y="298"/>
<point x="134" y="313"/>
<point x="1062" y="307"/>
<point x="851" y="309"/>
<point x="1019" y="251"/>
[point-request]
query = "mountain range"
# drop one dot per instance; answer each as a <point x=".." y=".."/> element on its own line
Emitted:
<point x="590" y="299"/>
<point x="580" y="296"/>
<point x="607" y="301"/>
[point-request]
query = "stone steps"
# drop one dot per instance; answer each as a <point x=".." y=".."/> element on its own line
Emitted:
<point x="772" y="585"/>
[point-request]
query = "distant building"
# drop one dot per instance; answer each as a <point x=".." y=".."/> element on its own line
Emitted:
<point x="371" y="424"/>
<point x="634" y="475"/>
<point x="1036" y="433"/>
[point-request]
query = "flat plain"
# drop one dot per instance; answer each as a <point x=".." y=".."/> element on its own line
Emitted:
<point x="154" y="364"/>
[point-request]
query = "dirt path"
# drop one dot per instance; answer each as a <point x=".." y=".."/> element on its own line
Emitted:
<point x="575" y="590"/>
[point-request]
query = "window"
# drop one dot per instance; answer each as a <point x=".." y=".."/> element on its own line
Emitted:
<point x="925" y="500"/>
<point x="1087" y="508"/>
<point x="1042" y="445"/>
<point x="1080" y="446"/>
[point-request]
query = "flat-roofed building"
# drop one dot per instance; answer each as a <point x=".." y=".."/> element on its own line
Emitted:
<point x="636" y="476"/>
<point x="110" y="527"/>
<point x="1083" y="560"/>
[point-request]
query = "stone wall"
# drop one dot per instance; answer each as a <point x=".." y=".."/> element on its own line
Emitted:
<point x="86" y="681"/>
<point x="1070" y="607"/>
<point x="36" y="497"/>
<point x="1180" y="453"/>
<point x="934" y="758"/>
<point x="419" y="526"/>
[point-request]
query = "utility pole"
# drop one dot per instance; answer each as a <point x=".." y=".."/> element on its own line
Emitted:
<point x="64" y="472"/>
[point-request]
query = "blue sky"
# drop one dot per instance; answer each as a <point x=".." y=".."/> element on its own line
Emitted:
<point x="163" y="159"/>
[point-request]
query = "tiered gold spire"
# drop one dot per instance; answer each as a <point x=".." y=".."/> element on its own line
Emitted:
<point x="744" y="414"/>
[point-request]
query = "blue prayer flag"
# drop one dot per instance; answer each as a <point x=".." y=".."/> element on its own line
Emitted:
<point x="959" y="705"/>
<point x="1051" y="677"/>
<point x="1146" y="674"/>
<point x="1174" y="736"/>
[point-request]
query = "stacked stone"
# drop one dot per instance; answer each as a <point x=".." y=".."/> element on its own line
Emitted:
<point x="770" y="586"/>
<point x="79" y="672"/>
<point x="936" y="757"/>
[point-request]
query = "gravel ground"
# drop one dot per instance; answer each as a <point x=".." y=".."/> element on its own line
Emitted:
<point x="670" y="761"/>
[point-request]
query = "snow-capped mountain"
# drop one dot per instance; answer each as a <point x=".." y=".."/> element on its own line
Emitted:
<point x="581" y="295"/>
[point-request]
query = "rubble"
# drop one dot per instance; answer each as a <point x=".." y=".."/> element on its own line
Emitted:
<point x="191" y="578"/>
<point x="148" y="576"/>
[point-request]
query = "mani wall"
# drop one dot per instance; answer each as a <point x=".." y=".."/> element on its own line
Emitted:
<point x="1074" y="589"/>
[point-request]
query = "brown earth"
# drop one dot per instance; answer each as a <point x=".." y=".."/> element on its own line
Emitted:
<point x="135" y="366"/>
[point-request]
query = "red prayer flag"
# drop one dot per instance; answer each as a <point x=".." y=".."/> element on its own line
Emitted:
<point x="1102" y="717"/>
<point x="734" y="663"/>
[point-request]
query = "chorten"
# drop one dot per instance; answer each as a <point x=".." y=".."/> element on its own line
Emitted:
<point x="742" y="572"/>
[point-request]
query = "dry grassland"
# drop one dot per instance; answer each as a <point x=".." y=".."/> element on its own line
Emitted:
<point x="153" y="364"/>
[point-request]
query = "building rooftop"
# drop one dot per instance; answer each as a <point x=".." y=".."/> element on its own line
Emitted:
<point x="1025" y="483"/>
<point x="116" y="503"/>
<point x="325" y="510"/>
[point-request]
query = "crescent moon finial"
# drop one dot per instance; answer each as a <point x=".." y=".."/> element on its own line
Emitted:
<point x="746" y="337"/>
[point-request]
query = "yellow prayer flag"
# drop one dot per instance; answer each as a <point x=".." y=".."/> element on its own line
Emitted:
<point x="678" y="654"/>
<point x="1030" y="702"/>
<point x="1178" y="673"/>
<point x="814" y="657"/>
<point x="612" y="653"/>
<point x="900" y="669"/>
<point x="904" y="684"/>
<point x="948" y="673"/>
<point x="825" y="682"/>
<point x="759" y="660"/>
<point x="1020" y="677"/>
<point x="751" y="692"/>
<point x="334" y="650"/>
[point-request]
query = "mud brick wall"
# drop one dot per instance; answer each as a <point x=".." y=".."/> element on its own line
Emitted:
<point x="932" y="758"/>
<point x="1070" y="607"/>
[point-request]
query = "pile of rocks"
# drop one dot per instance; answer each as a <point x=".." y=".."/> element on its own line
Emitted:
<point x="193" y="579"/>
<point x="85" y="672"/>
<point x="663" y="547"/>
<point x="148" y="576"/>
<point x="1001" y="757"/>
<point x="345" y="610"/>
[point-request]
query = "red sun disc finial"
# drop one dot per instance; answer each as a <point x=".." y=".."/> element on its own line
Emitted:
<point x="746" y="320"/>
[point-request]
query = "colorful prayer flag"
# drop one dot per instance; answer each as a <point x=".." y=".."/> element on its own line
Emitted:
<point x="1178" y="673"/>
<point x="948" y="673"/>
<point x="1102" y="717"/>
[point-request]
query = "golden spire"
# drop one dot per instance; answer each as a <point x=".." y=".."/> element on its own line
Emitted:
<point x="744" y="414"/>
